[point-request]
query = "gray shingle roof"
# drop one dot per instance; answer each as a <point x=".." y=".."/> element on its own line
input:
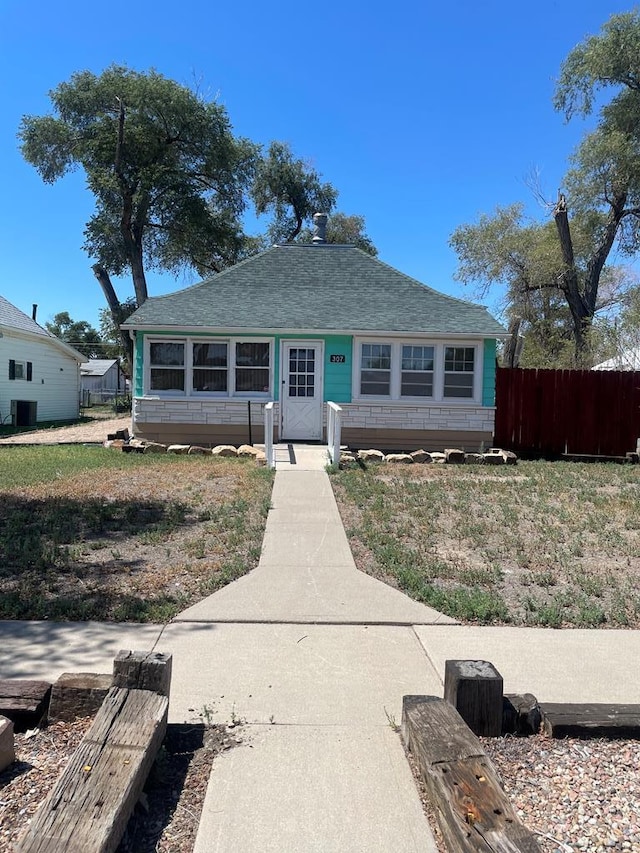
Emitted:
<point x="14" y="318"/>
<point x="97" y="366"/>
<point x="315" y="288"/>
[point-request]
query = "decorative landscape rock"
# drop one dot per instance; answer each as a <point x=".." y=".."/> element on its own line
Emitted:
<point x="497" y="456"/>
<point x="248" y="450"/>
<point x="347" y="460"/>
<point x="440" y="458"/>
<point x="178" y="448"/>
<point x="7" y="747"/>
<point x="473" y="458"/>
<point x="78" y="694"/>
<point x="371" y="455"/>
<point x="261" y="458"/>
<point x="421" y="456"/>
<point x="224" y="450"/>
<point x="453" y="456"/>
<point x="196" y="450"/>
<point x="399" y="459"/>
<point x="114" y="443"/>
<point x="154" y="447"/>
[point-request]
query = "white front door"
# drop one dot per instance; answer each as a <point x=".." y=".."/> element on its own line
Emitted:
<point x="301" y="373"/>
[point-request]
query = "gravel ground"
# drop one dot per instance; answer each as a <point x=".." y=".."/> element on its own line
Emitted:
<point x="574" y="795"/>
<point x="167" y="817"/>
<point x="577" y="795"/>
<point x="92" y="432"/>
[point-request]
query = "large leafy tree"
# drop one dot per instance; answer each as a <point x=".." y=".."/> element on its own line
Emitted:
<point x="291" y="190"/>
<point x="79" y="334"/>
<point x="599" y="211"/>
<point x="168" y="176"/>
<point x="170" y="180"/>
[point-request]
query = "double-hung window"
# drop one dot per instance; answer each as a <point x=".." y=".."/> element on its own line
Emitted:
<point x="210" y="367"/>
<point x="375" y="370"/>
<point x="252" y="367"/>
<point x="459" y="369"/>
<point x="416" y="377"/>
<point x="167" y="367"/>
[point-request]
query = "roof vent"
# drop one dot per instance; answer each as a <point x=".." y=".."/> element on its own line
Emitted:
<point x="319" y="228"/>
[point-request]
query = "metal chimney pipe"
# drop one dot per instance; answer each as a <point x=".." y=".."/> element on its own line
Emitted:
<point x="34" y="312"/>
<point x="319" y="228"/>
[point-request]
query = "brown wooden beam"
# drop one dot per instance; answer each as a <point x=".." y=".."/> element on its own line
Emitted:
<point x="474" y="814"/>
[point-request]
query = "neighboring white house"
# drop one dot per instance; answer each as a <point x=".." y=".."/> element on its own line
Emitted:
<point x="39" y="373"/>
<point x="101" y="379"/>
<point x="625" y="360"/>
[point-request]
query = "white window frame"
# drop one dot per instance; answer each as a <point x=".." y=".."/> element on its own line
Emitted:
<point x="250" y="395"/>
<point x="425" y="398"/>
<point x="148" y="366"/>
<point x="192" y="392"/>
<point x="189" y="391"/>
<point x="23" y="368"/>
<point x="438" y="371"/>
<point x="374" y="370"/>
<point x="465" y="373"/>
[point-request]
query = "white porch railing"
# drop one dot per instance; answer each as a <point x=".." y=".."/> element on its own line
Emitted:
<point x="268" y="435"/>
<point x="334" y="428"/>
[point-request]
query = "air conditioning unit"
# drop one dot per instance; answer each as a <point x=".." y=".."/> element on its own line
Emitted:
<point x="24" y="412"/>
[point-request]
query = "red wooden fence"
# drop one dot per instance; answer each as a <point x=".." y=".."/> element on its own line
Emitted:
<point x="555" y="412"/>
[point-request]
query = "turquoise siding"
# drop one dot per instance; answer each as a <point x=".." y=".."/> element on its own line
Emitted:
<point x="337" y="377"/>
<point x="138" y="357"/>
<point x="489" y="373"/>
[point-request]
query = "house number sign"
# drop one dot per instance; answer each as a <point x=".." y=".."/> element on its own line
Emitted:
<point x="337" y="359"/>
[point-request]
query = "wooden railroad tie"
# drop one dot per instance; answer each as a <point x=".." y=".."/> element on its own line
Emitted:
<point x="473" y="811"/>
<point x="88" y="809"/>
<point x="590" y="720"/>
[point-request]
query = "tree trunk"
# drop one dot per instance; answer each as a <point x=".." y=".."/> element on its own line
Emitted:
<point x="513" y="346"/>
<point x="115" y="308"/>
<point x="570" y="282"/>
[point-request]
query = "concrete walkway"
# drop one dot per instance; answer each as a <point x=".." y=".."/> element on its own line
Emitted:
<point x="317" y="658"/>
<point x="314" y="657"/>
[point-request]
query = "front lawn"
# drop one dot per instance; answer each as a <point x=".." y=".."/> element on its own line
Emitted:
<point x="88" y="533"/>
<point x="554" y="544"/>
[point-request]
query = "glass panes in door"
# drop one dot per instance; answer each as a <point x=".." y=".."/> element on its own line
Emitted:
<point x="302" y="372"/>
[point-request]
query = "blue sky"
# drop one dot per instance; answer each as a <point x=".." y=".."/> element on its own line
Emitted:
<point x="423" y="115"/>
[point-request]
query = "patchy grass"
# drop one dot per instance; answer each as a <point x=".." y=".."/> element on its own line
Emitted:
<point x="554" y="544"/>
<point x="88" y="533"/>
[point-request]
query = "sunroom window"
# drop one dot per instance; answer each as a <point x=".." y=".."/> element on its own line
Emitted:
<point x="210" y="367"/>
<point x="416" y="378"/>
<point x="167" y="367"/>
<point x="375" y="370"/>
<point x="459" y="366"/>
<point x="252" y="367"/>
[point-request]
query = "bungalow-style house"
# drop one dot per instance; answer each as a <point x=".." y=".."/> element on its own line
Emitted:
<point x="301" y="325"/>
<point x="39" y="373"/>
<point x="101" y="380"/>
